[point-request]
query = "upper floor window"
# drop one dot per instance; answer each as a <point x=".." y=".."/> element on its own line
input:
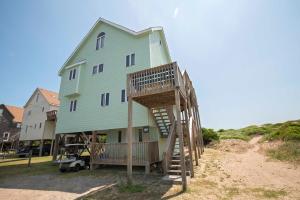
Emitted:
<point x="26" y="129"/>
<point x="123" y="95"/>
<point x="130" y="60"/>
<point x="40" y="125"/>
<point x="98" y="68"/>
<point x="72" y="74"/>
<point x="105" y="99"/>
<point x="73" y="105"/>
<point x="95" y="69"/>
<point x="29" y="112"/>
<point x="100" y="40"/>
<point x="37" y="97"/>
<point x="43" y="108"/>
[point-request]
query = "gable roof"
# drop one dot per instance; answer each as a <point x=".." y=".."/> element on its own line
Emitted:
<point x="127" y="30"/>
<point x="16" y="112"/>
<point x="50" y="96"/>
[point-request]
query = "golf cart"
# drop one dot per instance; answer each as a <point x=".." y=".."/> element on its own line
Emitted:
<point x="71" y="158"/>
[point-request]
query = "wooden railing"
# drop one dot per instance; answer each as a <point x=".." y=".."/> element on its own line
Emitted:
<point x="155" y="80"/>
<point x="51" y="115"/>
<point x="167" y="154"/>
<point x="143" y="153"/>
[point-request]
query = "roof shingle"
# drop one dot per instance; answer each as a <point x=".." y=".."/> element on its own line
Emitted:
<point x="50" y="96"/>
<point x="17" y="112"/>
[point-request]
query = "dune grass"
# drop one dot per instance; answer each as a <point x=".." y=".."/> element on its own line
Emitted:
<point x="288" y="151"/>
<point x="287" y="131"/>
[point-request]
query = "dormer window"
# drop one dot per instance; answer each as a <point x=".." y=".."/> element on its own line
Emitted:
<point x="100" y="40"/>
<point x="72" y="74"/>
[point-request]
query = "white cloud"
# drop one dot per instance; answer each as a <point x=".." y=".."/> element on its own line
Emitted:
<point x="175" y="13"/>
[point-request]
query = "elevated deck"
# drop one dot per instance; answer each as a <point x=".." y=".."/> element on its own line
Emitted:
<point x="155" y="87"/>
<point x="51" y="115"/>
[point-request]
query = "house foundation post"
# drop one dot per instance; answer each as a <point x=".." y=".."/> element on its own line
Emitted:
<point x="181" y="142"/>
<point x="129" y="141"/>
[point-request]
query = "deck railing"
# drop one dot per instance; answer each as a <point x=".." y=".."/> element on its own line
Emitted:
<point x="51" y="115"/>
<point x="155" y="80"/>
<point x="169" y="147"/>
<point x="143" y="153"/>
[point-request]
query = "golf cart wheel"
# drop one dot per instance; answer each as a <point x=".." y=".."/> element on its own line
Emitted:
<point x="77" y="167"/>
<point x="62" y="170"/>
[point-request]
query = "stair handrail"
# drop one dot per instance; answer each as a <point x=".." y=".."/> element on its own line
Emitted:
<point x="169" y="147"/>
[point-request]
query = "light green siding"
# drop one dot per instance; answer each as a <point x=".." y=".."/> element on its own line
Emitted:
<point x="87" y="88"/>
<point x="158" y="48"/>
<point x="89" y="114"/>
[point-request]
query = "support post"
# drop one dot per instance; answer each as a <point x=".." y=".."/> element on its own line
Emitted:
<point x="191" y="115"/>
<point x="200" y="130"/>
<point x="92" y="150"/>
<point x="189" y="139"/>
<point x="56" y="146"/>
<point x="41" y="147"/>
<point x="199" y="146"/>
<point x="129" y="141"/>
<point x="52" y="139"/>
<point x="181" y="143"/>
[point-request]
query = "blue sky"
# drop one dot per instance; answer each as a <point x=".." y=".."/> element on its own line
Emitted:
<point x="243" y="56"/>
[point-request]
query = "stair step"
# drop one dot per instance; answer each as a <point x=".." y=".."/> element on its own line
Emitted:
<point x="175" y="166"/>
<point x="178" y="172"/>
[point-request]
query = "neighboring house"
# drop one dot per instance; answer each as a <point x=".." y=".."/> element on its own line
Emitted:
<point x="10" y="126"/>
<point x="39" y="118"/>
<point x="93" y="93"/>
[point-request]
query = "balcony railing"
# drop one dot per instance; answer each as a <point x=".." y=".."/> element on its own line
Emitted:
<point x="155" y="80"/>
<point x="51" y="115"/>
<point x="143" y="153"/>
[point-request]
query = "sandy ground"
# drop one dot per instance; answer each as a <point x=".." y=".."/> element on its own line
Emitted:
<point x="233" y="170"/>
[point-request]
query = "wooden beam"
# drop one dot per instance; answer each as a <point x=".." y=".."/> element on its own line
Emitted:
<point x="189" y="139"/>
<point x="93" y="150"/>
<point x="181" y="143"/>
<point x="129" y="141"/>
<point x="56" y="146"/>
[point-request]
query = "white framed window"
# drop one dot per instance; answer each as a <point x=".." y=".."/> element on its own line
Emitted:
<point x="130" y="60"/>
<point x="104" y="99"/>
<point x="100" y="68"/>
<point x="72" y="74"/>
<point x="73" y="105"/>
<point x="100" y="40"/>
<point x="123" y="95"/>
<point x="95" y="69"/>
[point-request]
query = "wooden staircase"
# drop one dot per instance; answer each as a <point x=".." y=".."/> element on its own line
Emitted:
<point x="163" y="117"/>
<point x="175" y="166"/>
<point x="162" y="89"/>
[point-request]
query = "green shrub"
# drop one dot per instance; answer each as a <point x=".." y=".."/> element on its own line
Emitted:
<point x="209" y="135"/>
<point x="288" y="151"/>
<point x="285" y="131"/>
